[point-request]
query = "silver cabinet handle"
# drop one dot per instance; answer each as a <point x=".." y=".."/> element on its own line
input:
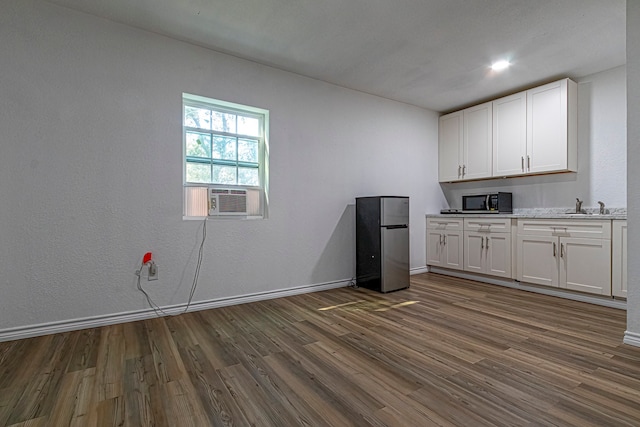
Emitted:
<point x="554" y="248"/>
<point x="561" y="250"/>
<point x="459" y="169"/>
<point x="522" y="163"/>
<point x="481" y="243"/>
<point x="464" y="170"/>
<point x="487" y="243"/>
<point x="441" y="239"/>
<point x="528" y="163"/>
<point x="444" y="239"/>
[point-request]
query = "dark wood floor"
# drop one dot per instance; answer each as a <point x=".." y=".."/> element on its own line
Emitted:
<point x="445" y="352"/>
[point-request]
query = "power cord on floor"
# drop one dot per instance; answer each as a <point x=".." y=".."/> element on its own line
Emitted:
<point x="353" y="284"/>
<point x="194" y="285"/>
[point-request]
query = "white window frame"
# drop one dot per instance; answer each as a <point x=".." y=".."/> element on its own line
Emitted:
<point x="195" y="194"/>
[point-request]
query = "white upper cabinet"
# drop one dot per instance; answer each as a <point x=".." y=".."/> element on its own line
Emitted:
<point x="510" y="135"/>
<point x="530" y="132"/>
<point x="450" y="147"/>
<point x="552" y="143"/>
<point x="477" y="142"/>
<point x="464" y="144"/>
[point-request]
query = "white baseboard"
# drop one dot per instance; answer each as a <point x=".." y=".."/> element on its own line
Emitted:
<point x="631" y="338"/>
<point x="132" y="316"/>
<point x="510" y="283"/>
<point x="419" y="270"/>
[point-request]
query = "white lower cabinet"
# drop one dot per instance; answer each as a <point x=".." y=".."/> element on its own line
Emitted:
<point x="585" y="265"/>
<point x="574" y="255"/>
<point x="487" y="246"/>
<point x="619" y="259"/>
<point x="537" y="260"/>
<point x="444" y="243"/>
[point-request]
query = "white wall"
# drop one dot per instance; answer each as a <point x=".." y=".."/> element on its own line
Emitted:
<point x="91" y="174"/>
<point x="602" y="139"/>
<point x="633" y="177"/>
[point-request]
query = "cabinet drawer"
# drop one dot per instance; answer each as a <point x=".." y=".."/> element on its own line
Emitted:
<point x="451" y="224"/>
<point x="489" y="225"/>
<point x="591" y="229"/>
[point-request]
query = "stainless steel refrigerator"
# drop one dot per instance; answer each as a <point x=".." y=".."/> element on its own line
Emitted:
<point x="382" y="243"/>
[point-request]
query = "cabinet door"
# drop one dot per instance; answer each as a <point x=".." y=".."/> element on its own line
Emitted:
<point x="452" y="250"/>
<point x="477" y="134"/>
<point x="434" y="248"/>
<point x="510" y="135"/>
<point x="498" y="250"/>
<point x="474" y="252"/>
<point x="585" y="265"/>
<point x="619" y="259"/>
<point x="547" y="128"/>
<point x="538" y="260"/>
<point x="450" y="147"/>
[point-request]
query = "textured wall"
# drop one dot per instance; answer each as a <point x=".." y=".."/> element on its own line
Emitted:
<point x="91" y="173"/>
<point x="602" y="144"/>
<point x="633" y="159"/>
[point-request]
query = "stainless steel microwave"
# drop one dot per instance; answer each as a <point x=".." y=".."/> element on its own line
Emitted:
<point x="487" y="203"/>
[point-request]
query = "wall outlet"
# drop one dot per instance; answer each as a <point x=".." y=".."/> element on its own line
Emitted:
<point x="153" y="271"/>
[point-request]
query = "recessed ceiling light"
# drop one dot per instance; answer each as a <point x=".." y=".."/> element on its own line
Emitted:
<point x="500" y="65"/>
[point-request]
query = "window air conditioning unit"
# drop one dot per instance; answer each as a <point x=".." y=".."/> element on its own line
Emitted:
<point x="227" y="201"/>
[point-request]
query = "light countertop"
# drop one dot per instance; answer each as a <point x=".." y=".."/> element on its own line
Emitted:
<point x="545" y="213"/>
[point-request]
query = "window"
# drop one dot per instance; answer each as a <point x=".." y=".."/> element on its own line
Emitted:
<point x="224" y="145"/>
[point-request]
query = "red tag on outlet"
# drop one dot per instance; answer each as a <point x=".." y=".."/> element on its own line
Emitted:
<point x="146" y="258"/>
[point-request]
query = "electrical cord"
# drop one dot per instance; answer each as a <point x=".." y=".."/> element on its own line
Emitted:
<point x="156" y="308"/>
<point x="194" y="285"/>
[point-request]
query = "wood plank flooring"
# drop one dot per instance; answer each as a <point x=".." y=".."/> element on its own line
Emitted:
<point x="446" y="352"/>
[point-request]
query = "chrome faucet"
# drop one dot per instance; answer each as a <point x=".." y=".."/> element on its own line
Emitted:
<point x="578" y="205"/>
<point x="602" y="211"/>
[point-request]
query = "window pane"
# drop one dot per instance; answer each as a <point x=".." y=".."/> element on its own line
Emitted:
<point x="248" y="176"/>
<point x="198" y="172"/>
<point x="248" y="126"/>
<point x="224" y="174"/>
<point x="224" y="122"/>
<point x="197" y="117"/>
<point x="198" y="144"/>
<point x="224" y="148"/>
<point x="248" y="150"/>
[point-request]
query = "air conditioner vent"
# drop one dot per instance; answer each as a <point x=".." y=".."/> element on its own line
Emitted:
<point x="227" y="201"/>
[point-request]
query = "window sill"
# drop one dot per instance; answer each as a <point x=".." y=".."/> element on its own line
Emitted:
<point x="222" y="218"/>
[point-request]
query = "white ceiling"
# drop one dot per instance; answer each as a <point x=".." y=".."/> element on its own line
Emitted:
<point x="430" y="53"/>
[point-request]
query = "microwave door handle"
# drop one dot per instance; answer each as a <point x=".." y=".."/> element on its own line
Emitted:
<point x="487" y="202"/>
